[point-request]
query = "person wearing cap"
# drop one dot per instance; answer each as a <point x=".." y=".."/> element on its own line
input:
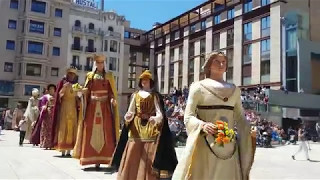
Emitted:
<point x="32" y="112"/>
<point x="210" y="100"/>
<point x="145" y="149"/>
<point x="98" y="131"/>
<point x="65" y="120"/>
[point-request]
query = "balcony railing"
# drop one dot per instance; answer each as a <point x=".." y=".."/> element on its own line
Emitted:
<point x="91" y="49"/>
<point x="77" y="28"/>
<point x="76" y="47"/>
<point x="88" y="68"/>
<point x="90" y="31"/>
<point x="112" y="34"/>
<point x="78" y="66"/>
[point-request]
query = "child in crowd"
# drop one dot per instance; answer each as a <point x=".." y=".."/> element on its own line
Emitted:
<point x="23" y="129"/>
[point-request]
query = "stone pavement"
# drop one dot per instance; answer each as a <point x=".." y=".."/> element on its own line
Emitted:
<point x="29" y="162"/>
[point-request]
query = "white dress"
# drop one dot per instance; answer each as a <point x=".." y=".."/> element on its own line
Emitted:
<point x="209" y="101"/>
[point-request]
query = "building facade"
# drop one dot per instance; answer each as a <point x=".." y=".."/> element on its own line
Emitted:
<point x="32" y="48"/>
<point x="257" y="36"/>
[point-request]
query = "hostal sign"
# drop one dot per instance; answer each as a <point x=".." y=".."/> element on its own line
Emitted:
<point x="86" y="3"/>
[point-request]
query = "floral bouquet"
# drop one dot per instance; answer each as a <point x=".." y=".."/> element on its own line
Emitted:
<point x="77" y="87"/>
<point x="224" y="134"/>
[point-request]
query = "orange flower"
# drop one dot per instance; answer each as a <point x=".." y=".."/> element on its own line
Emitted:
<point x="226" y="140"/>
<point x="219" y="140"/>
<point x="219" y="122"/>
<point x="221" y="134"/>
<point x="220" y="126"/>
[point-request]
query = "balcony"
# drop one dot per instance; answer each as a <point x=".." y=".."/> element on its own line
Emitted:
<point x="91" y="49"/>
<point x="78" y="66"/>
<point x="88" y="68"/>
<point x="91" y="31"/>
<point x="112" y="34"/>
<point x="76" y="29"/>
<point x="76" y="47"/>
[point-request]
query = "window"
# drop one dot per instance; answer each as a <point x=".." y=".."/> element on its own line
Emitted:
<point x="229" y="75"/>
<point x="110" y="28"/>
<point x="89" y="64"/>
<point x="180" y="68"/>
<point x="113" y="46"/>
<point x="36" y="27"/>
<point x="246" y="74"/>
<point x="216" y="42"/>
<point x="14" y="4"/>
<point x="33" y="70"/>
<point x="265" y="2"/>
<point x="191" y="49"/>
<point x="91" y="26"/>
<point x="180" y="52"/>
<point x="126" y="34"/>
<point x="247" y="31"/>
<point x="291" y="39"/>
<point x="112" y="64"/>
<point x="203" y="25"/>
<point x="77" y="23"/>
<point x="247" y="7"/>
<point x="58" y="12"/>
<point x="131" y="83"/>
<point x="230" y="37"/>
<point x="231" y="13"/>
<point x="23" y="24"/>
<point x="171" y="55"/>
<point x="28" y="89"/>
<point x="57" y="32"/>
<point x="191" y="66"/>
<point x="8" y="67"/>
<point x="171" y="70"/>
<point x="202" y="60"/>
<point x="105" y="45"/>
<point x="202" y="46"/>
<point x="229" y="55"/>
<point x="193" y="28"/>
<point x="35" y="47"/>
<point x="265" y="26"/>
<point x="133" y="57"/>
<point x="54" y="71"/>
<point x="10" y="45"/>
<point x="56" y="51"/>
<point x="265" y="71"/>
<point x="218" y="7"/>
<point x="265" y="50"/>
<point x="163" y="58"/>
<point x="6" y="89"/>
<point x="247" y="54"/>
<point x="217" y="19"/>
<point x="12" y="24"/>
<point x="38" y="6"/>
<point x="75" y="61"/>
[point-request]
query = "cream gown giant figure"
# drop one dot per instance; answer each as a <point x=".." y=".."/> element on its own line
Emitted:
<point x="209" y="100"/>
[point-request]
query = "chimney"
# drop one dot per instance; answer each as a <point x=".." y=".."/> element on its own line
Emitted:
<point x="102" y="5"/>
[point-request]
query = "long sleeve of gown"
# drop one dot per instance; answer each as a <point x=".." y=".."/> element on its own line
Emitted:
<point x="158" y="117"/>
<point x="244" y="140"/>
<point x="131" y="109"/>
<point x="193" y="124"/>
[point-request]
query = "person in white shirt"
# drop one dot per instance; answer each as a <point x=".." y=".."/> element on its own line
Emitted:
<point x="23" y="128"/>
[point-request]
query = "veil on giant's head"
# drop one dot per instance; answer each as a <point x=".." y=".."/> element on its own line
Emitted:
<point x="98" y="58"/>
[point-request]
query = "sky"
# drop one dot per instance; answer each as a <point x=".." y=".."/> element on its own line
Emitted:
<point x="142" y="14"/>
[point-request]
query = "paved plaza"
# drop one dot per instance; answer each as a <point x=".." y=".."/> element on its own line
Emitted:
<point x="29" y="162"/>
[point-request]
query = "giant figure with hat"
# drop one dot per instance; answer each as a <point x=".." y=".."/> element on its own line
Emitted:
<point x="145" y="149"/>
<point x="99" y="125"/>
<point x="65" y="117"/>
